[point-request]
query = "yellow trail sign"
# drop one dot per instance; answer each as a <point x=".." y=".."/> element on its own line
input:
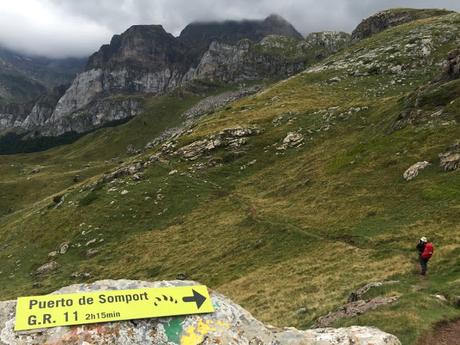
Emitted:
<point x="105" y="306"/>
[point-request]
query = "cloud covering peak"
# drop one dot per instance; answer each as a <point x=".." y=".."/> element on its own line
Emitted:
<point x="63" y="28"/>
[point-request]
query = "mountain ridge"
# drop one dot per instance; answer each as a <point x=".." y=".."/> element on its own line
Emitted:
<point x="146" y="60"/>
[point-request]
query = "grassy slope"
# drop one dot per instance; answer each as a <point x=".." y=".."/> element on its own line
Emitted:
<point x="296" y="230"/>
<point x="91" y="155"/>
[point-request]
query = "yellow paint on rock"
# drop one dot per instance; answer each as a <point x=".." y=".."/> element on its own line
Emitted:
<point x="194" y="335"/>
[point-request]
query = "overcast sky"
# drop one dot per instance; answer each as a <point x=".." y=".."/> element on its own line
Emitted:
<point x="61" y="28"/>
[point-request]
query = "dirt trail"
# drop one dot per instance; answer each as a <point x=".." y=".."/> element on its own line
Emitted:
<point x="444" y="334"/>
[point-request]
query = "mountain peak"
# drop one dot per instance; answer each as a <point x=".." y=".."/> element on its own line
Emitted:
<point x="145" y="29"/>
<point x="276" y="18"/>
<point x="199" y="35"/>
<point x="142" y="45"/>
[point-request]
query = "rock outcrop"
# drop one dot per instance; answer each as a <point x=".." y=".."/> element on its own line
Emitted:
<point x="429" y="102"/>
<point x="325" y="43"/>
<point x="357" y="304"/>
<point x="354" y="309"/>
<point x="229" y="324"/>
<point x="214" y="103"/>
<point x="390" y="18"/>
<point x="231" y="138"/>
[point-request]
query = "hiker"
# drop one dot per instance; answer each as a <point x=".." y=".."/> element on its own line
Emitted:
<point x="425" y="251"/>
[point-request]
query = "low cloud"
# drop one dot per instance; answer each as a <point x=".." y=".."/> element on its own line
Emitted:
<point x="63" y="28"/>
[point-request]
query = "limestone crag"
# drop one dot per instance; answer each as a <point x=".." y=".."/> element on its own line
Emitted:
<point x="242" y="62"/>
<point x="96" y="114"/>
<point x="43" y="108"/>
<point x="229" y="324"/>
<point x="12" y="115"/>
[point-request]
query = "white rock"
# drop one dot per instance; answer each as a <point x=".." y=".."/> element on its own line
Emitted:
<point x="414" y="170"/>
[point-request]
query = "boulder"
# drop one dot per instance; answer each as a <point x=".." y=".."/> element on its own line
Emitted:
<point x="452" y="65"/>
<point x="47" y="268"/>
<point x="64" y="247"/>
<point x="292" y="139"/>
<point x="450" y="161"/>
<point x="52" y="254"/>
<point x="92" y="252"/>
<point x="414" y="170"/>
<point x="77" y="275"/>
<point x="229" y="324"/>
<point x="456" y="301"/>
<point x="334" y="80"/>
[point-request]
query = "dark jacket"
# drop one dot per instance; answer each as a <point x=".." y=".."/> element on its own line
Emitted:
<point x="421" y="247"/>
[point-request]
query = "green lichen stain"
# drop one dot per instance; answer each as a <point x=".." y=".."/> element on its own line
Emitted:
<point x="173" y="329"/>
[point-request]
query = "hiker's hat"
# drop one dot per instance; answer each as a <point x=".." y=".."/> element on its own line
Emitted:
<point x="424" y="239"/>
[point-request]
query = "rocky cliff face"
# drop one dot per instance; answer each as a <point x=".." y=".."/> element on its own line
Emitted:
<point x="12" y="115"/>
<point x="43" y="108"/>
<point x="198" y="36"/>
<point x="98" y="113"/>
<point x="144" y="59"/>
<point x="229" y="324"/>
<point x="247" y="60"/>
<point x="390" y="18"/>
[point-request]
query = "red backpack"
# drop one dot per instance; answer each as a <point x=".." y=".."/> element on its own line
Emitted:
<point x="428" y="252"/>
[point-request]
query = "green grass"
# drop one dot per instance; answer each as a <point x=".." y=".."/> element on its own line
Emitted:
<point x="298" y="229"/>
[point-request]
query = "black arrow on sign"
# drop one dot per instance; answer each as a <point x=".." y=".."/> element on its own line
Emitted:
<point x="197" y="298"/>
